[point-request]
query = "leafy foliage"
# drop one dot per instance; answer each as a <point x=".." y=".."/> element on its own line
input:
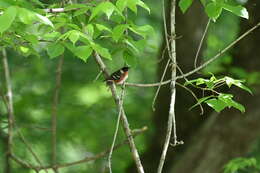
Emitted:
<point x="214" y="8"/>
<point x="218" y="100"/>
<point x="241" y="164"/>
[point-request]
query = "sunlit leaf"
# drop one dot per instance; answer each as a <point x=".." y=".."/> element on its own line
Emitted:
<point x="185" y="4"/>
<point x="230" y="81"/>
<point x="237" y="10"/>
<point x="74" y="36"/>
<point x="216" y="104"/>
<point x="44" y="19"/>
<point x="7" y="18"/>
<point x="213" y="10"/>
<point x="104" y="7"/>
<point x="83" y="52"/>
<point x="102" y="51"/>
<point x="118" y="31"/>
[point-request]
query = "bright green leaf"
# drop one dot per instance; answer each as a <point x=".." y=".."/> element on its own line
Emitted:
<point x="26" y="16"/>
<point x="7" y="18"/>
<point x="83" y="52"/>
<point x="90" y="30"/>
<point x="121" y="4"/>
<point x="185" y="4"/>
<point x="237" y="10"/>
<point x="230" y="81"/>
<point x="213" y="10"/>
<point x="104" y="7"/>
<point x="44" y="20"/>
<point x="143" y="5"/>
<point x="24" y="49"/>
<point x="227" y="98"/>
<point x="74" y="36"/>
<point x="102" y="51"/>
<point x="103" y="28"/>
<point x="75" y="6"/>
<point x="142" y="30"/>
<point x="55" y="50"/>
<point x="118" y="31"/>
<point x="217" y="105"/>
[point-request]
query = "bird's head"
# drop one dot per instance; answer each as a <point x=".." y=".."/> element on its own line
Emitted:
<point x="125" y="69"/>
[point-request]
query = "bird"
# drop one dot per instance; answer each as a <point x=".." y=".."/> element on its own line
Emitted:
<point x="119" y="76"/>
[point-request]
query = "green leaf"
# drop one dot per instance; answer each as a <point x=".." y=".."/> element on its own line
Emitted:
<point x="55" y="50"/>
<point x="216" y="104"/>
<point x="80" y="11"/>
<point x="103" y="28"/>
<point x="104" y="7"/>
<point x="143" y="5"/>
<point x="26" y="16"/>
<point x="74" y="36"/>
<point x="201" y="100"/>
<point x="129" y="43"/>
<point x="198" y="81"/>
<point x="237" y="10"/>
<point x="83" y="52"/>
<point x="31" y="38"/>
<point x="90" y="30"/>
<point x="75" y="6"/>
<point x="142" y="30"/>
<point x="213" y="10"/>
<point x="102" y="51"/>
<point x="185" y="4"/>
<point x="121" y="4"/>
<point x="130" y="59"/>
<point x="118" y="31"/>
<point x="131" y="4"/>
<point x="7" y="18"/>
<point x="44" y="20"/>
<point x="230" y="81"/>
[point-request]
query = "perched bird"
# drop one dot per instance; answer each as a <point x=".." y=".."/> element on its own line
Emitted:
<point x="119" y="76"/>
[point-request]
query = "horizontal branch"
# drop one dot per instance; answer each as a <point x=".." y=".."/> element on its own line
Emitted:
<point x="201" y="66"/>
<point x="87" y="159"/>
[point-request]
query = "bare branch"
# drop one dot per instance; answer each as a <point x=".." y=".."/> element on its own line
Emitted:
<point x="200" y="44"/>
<point x="171" y="118"/>
<point x="116" y="130"/>
<point x="124" y="120"/>
<point x="87" y="159"/>
<point x="158" y="89"/>
<point x="54" y="111"/>
<point x="10" y="108"/>
<point x="218" y="55"/>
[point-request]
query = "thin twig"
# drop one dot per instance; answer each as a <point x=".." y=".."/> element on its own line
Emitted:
<point x="171" y="118"/>
<point x="200" y="44"/>
<point x="10" y="109"/>
<point x="218" y="55"/>
<point x="159" y="87"/>
<point x="169" y="54"/>
<point x="116" y="130"/>
<point x="9" y="100"/>
<point x="54" y="112"/>
<point x="124" y="120"/>
<point x="87" y="159"/>
<point x="29" y="146"/>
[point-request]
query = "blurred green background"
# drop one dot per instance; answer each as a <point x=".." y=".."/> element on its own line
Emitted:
<point x="87" y="113"/>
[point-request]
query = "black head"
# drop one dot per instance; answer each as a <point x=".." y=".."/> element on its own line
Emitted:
<point x="125" y="69"/>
